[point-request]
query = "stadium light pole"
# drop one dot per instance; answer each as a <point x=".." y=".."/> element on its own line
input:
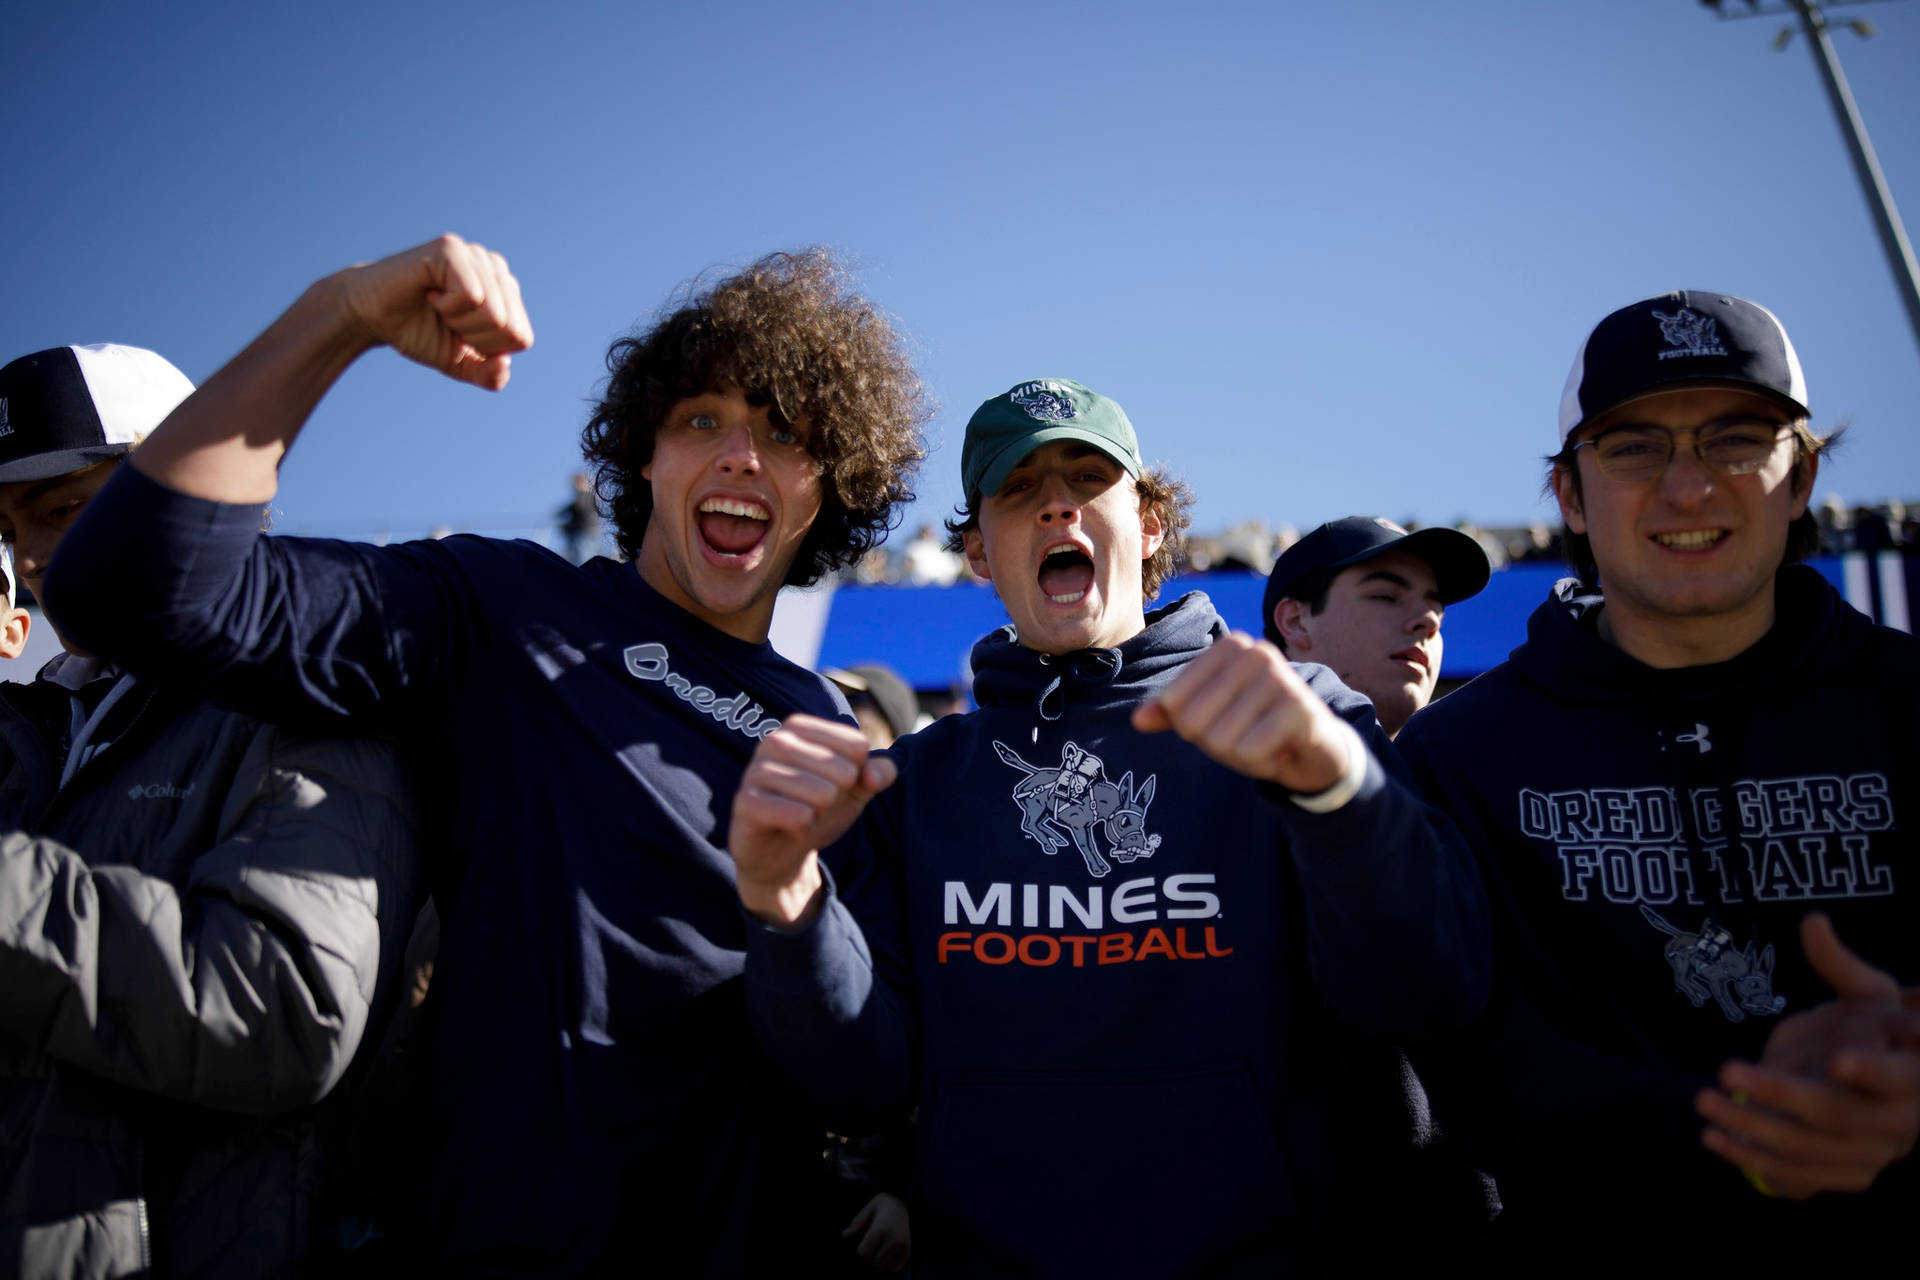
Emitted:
<point x="1886" y="217"/>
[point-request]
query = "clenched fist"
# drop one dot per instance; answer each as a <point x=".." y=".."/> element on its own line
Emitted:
<point x="806" y="783"/>
<point x="1242" y="704"/>
<point x="446" y="304"/>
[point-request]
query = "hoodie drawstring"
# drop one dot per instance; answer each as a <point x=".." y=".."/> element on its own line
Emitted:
<point x="1097" y="664"/>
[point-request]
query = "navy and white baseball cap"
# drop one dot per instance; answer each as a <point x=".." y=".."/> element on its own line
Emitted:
<point x="1684" y="339"/>
<point x="1460" y="565"/>
<point x="69" y="407"/>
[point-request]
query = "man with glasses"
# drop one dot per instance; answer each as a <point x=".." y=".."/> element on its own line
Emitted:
<point x="1693" y="773"/>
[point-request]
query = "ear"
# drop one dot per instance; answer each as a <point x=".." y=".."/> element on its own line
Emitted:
<point x="1567" y="493"/>
<point x="1290" y="620"/>
<point x="1805" y="472"/>
<point x="14" y="625"/>
<point x="977" y="554"/>
<point x="1153" y="530"/>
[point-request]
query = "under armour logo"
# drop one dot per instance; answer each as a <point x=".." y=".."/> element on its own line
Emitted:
<point x="1698" y="737"/>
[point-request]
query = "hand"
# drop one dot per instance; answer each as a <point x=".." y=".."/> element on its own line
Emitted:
<point x="808" y="780"/>
<point x="447" y="304"/>
<point x="1242" y="704"/>
<point x="1835" y="1097"/>
<point x="886" y="1239"/>
<point x="1871" y="1015"/>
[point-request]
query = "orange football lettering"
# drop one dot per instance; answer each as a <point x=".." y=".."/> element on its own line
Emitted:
<point x="1154" y="944"/>
<point x="1034" y="942"/>
<point x="1004" y="940"/>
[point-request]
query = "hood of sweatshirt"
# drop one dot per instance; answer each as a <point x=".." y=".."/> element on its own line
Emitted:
<point x="1565" y="653"/>
<point x="1008" y="674"/>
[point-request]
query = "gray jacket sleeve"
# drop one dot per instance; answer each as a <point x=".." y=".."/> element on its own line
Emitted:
<point x="246" y="981"/>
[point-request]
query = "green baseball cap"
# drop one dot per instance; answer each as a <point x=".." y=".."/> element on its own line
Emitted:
<point x="1008" y="427"/>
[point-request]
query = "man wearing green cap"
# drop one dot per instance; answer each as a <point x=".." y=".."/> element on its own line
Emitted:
<point x="1098" y="928"/>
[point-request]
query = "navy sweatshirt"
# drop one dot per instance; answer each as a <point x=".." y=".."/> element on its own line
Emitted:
<point x="592" y="1092"/>
<point x="1651" y="840"/>
<point x="1098" y="961"/>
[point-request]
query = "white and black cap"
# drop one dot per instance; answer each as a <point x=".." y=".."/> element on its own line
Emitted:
<point x="1681" y="339"/>
<point x="70" y="407"/>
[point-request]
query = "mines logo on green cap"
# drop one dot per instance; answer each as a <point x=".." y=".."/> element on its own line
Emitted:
<point x="1044" y="400"/>
<point x="1037" y="412"/>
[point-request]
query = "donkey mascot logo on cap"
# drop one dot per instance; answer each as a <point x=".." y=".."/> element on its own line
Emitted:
<point x="1043" y="400"/>
<point x="1689" y="333"/>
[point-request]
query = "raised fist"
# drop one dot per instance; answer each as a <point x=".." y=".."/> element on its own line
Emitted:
<point x="806" y="783"/>
<point x="1242" y="704"/>
<point x="447" y="304"/>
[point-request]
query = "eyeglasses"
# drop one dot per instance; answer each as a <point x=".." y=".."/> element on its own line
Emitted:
<point x="1732" y="447"/>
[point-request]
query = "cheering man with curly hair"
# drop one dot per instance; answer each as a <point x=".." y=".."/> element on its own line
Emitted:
<point x="591" y="1097"/>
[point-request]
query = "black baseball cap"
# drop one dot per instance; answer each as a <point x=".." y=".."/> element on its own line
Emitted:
<point x="1681" y="339"/>
<point x="69" y="407"/>
<point x="1460" y="565"/>
<point x="887" y="691"/>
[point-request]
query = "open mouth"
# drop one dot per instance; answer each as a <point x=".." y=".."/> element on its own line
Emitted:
<point x="1066" y="573"/>
<point x="1691" y="540"/>
<point x="733" y="526"/>
<point x="1418" y="657"/>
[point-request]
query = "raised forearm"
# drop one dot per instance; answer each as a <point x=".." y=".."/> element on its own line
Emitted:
<point x="448" y="304"/>
<point x="225" y="441"/>
<point x="1396" y="919"/>
<point x="819" y="1004"/>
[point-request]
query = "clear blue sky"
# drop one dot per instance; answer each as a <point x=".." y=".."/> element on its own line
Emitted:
<point x="1331" y="258"/>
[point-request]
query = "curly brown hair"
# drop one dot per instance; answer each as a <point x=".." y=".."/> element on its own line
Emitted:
<point x="1160" y="491"/>
<point x="790" y="332"/>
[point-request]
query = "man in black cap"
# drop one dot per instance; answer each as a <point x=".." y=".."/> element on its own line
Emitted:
<point x="1365" y="597"/>
<point x="1698" y="744"/>
<point x="200" y="914"/>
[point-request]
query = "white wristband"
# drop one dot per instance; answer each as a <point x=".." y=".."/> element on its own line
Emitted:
<point x="1349" y="785"/>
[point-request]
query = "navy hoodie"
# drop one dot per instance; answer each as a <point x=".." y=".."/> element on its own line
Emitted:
<point x="1651" y="839"/>
<point x="1097" y="960"/>
<point x="591" y="1093"/>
